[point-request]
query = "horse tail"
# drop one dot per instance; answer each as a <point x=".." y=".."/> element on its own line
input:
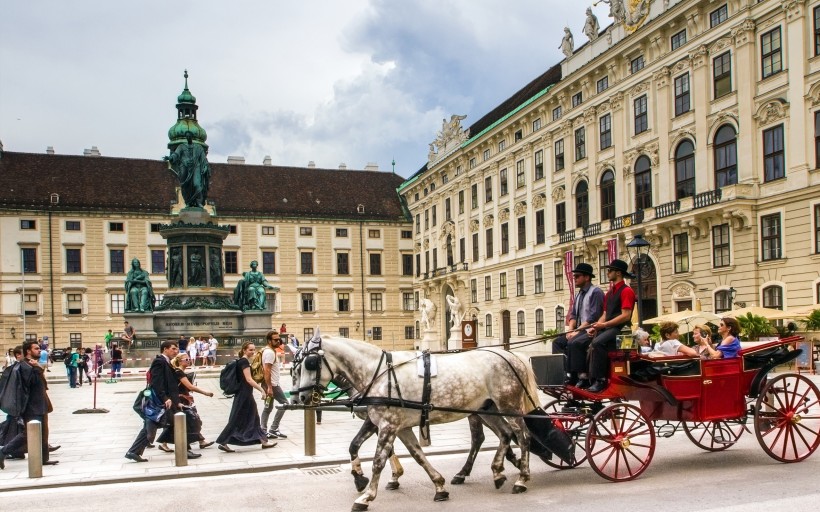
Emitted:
<point x="529" y="400"/>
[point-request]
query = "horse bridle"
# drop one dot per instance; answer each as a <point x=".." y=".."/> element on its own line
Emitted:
<point x="313" y="360"/>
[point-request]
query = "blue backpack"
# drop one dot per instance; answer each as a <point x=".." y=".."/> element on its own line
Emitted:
<point x="229" y="378"/>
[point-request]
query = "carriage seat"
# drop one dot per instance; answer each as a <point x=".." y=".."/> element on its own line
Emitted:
<point x="646" y="369"/>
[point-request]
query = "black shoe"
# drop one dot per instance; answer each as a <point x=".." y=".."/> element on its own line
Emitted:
<point x="53" y="448"/>
<point x="192" y="455"/>
<point x="273" y="434"/>
<point x="135" y="457"/>
<point x="571" y="380"/>
<point x="15" y="457"/>
<point x="151" y="445"/>
<point x="583" y="384"/>
<point x="599" y="386"/>
<point x="2" y="458"/>
<point x="51" y="463"/>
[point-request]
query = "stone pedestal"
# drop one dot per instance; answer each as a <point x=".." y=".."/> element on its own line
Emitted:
<point x="143" y="323"/>
<point x="454" y="343"/>
<point x="430" y="341"/>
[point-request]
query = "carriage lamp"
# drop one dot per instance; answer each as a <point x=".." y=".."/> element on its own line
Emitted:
<point x="13" y="332"/>
<point x="638" y="248"/>
<point x="732" y="295"/>
<point x="358" y="324"/>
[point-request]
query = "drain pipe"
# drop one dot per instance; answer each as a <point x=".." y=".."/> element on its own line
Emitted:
<point x="361" y="268"/>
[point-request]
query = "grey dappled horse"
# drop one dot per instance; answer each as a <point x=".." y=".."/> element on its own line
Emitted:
<point x="478" y="380"/>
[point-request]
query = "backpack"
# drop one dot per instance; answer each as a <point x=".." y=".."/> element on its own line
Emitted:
<point x="257" y="368"/>
<point x="13" y="399"/>
<point x="229" y="378"/>
<point x="67" y="360"/>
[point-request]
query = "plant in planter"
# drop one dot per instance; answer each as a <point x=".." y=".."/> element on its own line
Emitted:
<point x="812" y="322"/>
<point x="752" y="327"/>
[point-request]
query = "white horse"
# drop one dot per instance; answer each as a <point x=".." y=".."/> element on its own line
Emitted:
<point x="480" y="380"/>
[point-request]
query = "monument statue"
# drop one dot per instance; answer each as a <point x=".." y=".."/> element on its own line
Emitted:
<point x="196" y="268"/>
<point x="139" y="294"/>
<point x="175" y="267"/>
<point x="456" y="311"/>
<point x="189" y="163"/>
<point x="617" y="11"/>
<point x="428" y="313"/>
<point x="567" y="43"/>
<point x="250" y="290"/>
<point x="216" y="268"/>
<point x="591" y="27"/>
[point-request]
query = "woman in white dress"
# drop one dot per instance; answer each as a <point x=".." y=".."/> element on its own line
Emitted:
<point x="192" y="349"/>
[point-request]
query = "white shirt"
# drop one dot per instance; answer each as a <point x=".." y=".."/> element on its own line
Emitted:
<point x="269" y="358"/>
<point x="213" y="344"/>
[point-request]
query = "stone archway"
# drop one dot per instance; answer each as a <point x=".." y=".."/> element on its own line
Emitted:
<point x="505" y="329"/>
<point x="649" y="286"/>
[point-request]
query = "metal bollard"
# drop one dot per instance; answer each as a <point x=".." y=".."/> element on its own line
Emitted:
<point x="424" y="435"/>
<point x="180" y="440"/>
<point x="34" y="436"/>
<point x="310" y="432"/>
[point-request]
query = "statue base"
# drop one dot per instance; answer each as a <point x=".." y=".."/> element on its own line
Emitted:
<point x="430" y="341"/>
<point x="143" y="323"/>
<point x="454" y="343"/>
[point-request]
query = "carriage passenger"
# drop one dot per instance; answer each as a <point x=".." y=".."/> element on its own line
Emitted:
<point x="728" y="330"/>
<point x="702" y="336"/>
<point x="641" y="340"/>
<point x="670" y="345"/>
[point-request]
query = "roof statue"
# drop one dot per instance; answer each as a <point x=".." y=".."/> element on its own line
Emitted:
<point x="616" y="9"/>
<point x="451" y="135"/>
<point x="591" y="27"/>
<point x="567" y="43"/>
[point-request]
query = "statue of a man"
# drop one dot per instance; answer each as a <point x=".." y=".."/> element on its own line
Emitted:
<point x="175" y="267"/>
<point x="591" y="27"/>
<point x="196" y="268"/>
<point x="250" y="291"/>
<point x="456" y="311"/>
<point x="567" y="43"/>
<point x="428" y="313"/>
<point x="616" y="10"/>
<point x="139" y="294"/>
<point x="190" y="165"/>
<point x="216" y="268"/>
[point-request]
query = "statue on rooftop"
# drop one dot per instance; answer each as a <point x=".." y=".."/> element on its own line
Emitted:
<point x="190" y="165"/>
<point x="567" y="43"/>
<point x="591" y="27"/>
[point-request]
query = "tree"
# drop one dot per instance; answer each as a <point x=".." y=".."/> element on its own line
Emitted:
<point x="752" y="327"/>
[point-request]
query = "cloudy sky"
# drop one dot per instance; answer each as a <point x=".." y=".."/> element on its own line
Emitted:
<point x="332" y="81"/>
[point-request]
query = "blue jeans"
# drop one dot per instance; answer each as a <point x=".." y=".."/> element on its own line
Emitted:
<point x="71" y="371"/>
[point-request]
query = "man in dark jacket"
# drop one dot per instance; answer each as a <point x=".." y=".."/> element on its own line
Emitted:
<point x="163" y="383"/>
<point x="36" y="399"/>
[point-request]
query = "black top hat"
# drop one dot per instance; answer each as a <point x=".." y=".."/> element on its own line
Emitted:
<point x="620" y="266"/>
<point x="583" y="268"/>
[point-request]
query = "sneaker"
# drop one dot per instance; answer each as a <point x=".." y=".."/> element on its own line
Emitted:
<point x="275" y="433"/>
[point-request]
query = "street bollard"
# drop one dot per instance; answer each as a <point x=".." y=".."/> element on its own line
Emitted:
<point x="424" y="435"/>
<point x="34" y="436"/>
<point x="180" y="440"/>
<point x="310" y="432"/>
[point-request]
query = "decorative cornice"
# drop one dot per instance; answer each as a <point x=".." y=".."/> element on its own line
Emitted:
<point x="558" y="193"/>
<point x="720" y="45"/>
<point x="539" y="200"/>
<point x="661" y="77"/>
<point x="793" y="8"/>
<point x="474" y="225"/>
<point x="617" y="100"/>
<point x="698" y="56"/>
<point x="520" y="208"/>
<point x="744" y="33"/>
<point x="771" y="112"/>
<point x="639" y="89"/>
<point x="503" y="215"/>
<point x="681" y="66"/>
<point x="488" y="220"/>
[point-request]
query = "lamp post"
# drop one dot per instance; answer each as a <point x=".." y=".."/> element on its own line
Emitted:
<point x="638" y="248"/>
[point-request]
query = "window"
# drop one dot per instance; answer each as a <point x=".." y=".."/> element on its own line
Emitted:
<point x="116" y="227"/>
<point x="558" y="275"/>
<point x="771" y="53"/>
<point x="488" y="189"/>
<point x="681" y="250"/>
<point x="522" y="233"/>
<point x="407" y="264"/>
<point x="303" y="231"/>
<point x="641" y="117"/>
<point x="817" y="229"/>
<point x="407" y="302"/>
<point x="28" y="224"/>
<point x="678" y="40"/>
<point x="603" y="261"/>
<point x="117" y="303"/>
<point x="306" y="259"/>
<point x="605" y="129"/>
<point x="472" y="163"/>
<point x="489" y="243"/>
<point x="582" y="205"/>
<point x="488" y="326"/>
<point x="602" y="85"/>
<point x="539" y="160"/>
<point x="643" y="183"/>
<point x="74" y="225"/>
<point x="559" y="154"/>
<point x="817" y="42"/>
<point x="502" y="285"/>
<point x="435" y="218"/>
<point x="342" y="232"/>
<point x="474" y="196"/>
<point x="540" y="235"/>
<point x="157" y="261"/>
<point x="502" y="144"/>
<point x="723" y="301"/>
<point x="343" y="301"/>
<point x="460" y="201"/>
<point x="268" y="230"/>
<point x="447" y="210"/>
<point x="406" y="234"/>
<point x="522" y="331"/>
<point x="426" y="219"/>
<point x="608" y="195"/>
<point x="773" y="163"/>
<point x="722" y="74"/>
<point x="73" y="261"/>
<point x="376" y="302"/>
<point x="770" y="236"/>
<point x="231" y="262"/>
<point x="74" y="303"/>
<point x="374" y="233"/>
<point x="773" y="297"/>
<point x="539" y="322"/>
<point x="31" y="305"/>
<point x="725" y="156"/>
<point x="560" y="217"/>
<point x="817" y="140"/>
<point x="538" y="278"/>
<point x="475" y="247"/>
<point x="418" y="265"/>
<point x="636" y="64"/>
<point x="519" y="282"/>
<point x="505" y="238"/>
<point x="307" y="333"/>
<point x="409" y="332"/>
<point x="307" y="304"/>
<point x="473" y="290"/>
<point x="154" y="227"/>
<point x="685" y="170"/>
<point x="268" y="262"/>
<point x="488" y="288"/>
<point x="502" y="182"/>
<point x="536" y="125"/>
<point x="718" y="16"/>
<point x="682" y="99"/>
<point x="342" y="263"/>
<point x="486" y="155"/>
<point x="116" y="259"/>
<point x="418" y="223"/>
<point x="29" y="260"/>
<point x="520" y="178"/>
<point x="580" y="144"/>
<point x="720" y="245"/>
<point x="559" y="318"/>
<point x="556" y="113"/>
<point x="375" y="264"/>
<point x="577" y="99"/>
<point x="232" y="229"/>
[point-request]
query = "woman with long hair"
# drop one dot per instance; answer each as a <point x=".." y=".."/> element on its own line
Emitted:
<point x="193" y="422"/>
<point x="728" y="330"/>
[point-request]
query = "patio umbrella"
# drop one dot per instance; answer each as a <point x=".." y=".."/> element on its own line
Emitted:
<point x="767" y="313"/>
<point x="804" y="311"/>
<point x="687" y="319"/>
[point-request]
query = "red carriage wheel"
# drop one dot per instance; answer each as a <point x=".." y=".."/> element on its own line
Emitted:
<point x="620" y="442"/>
<point x="575" y="427"/>
<point x="787" y="418"/>
<point x="715" y="436"/>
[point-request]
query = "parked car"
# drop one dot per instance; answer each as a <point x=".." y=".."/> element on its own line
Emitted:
<point x="58" y="354"/>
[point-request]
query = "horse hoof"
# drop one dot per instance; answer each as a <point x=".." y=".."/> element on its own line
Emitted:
<point x="358" y="507"/>
<point x="457" y="480"/>
<point x="518" y="489"/>
<point x="361" y="482"/>
<point x="500" y="481"/>
<point x="391" y="486"/>
<point x="442" y="496"/>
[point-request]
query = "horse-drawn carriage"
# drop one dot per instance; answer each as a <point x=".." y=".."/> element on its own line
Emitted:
<point x="712" y="401"/>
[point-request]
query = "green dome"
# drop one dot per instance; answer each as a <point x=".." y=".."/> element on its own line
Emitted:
<point x="186" y="120"/>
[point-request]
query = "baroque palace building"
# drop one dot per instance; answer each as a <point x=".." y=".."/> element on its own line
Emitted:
<point x="693" y="123"/>
<point x="337" y="244"/>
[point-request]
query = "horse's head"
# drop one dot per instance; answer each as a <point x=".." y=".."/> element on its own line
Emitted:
<point x="310" y="373"/>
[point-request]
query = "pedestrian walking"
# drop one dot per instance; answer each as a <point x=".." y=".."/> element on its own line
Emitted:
<point x="193" y="422"/>
<point x="82" y="366"/>
<point x="71" y="363"/>
<point x="274" y="392"/>
<point x="98" y="360"/>
<point x="44" y="358"/>
<point x="116" y="362"/>
<point x="212" y="345"/>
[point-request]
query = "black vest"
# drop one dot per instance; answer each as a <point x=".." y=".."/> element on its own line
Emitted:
<point x="613" y="305"/>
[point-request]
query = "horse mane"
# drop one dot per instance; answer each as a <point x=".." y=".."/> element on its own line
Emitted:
<point x="528" y="402"/>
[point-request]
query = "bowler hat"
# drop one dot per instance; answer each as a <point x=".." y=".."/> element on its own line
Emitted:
<point x="583" y="268"/>
<point x="620" y="266"/>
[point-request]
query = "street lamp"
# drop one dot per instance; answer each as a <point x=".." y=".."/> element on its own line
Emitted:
<point x="638" y="248"/>
<point x="732" y="295"/>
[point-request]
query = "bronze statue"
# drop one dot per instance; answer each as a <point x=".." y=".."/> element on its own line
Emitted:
<point x="189" y="163"/>
<point x="175" y="268"/>
<point x="216" y="268"/>
<point x="196" y="268"/>
<point x="250" y="290"/>
<point x="139" y="294"/>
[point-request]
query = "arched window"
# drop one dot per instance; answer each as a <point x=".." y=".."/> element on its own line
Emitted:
<point x="608" y="196"/>
<point x="522" y="331"/>
<point x="539" y="322"/>
<point x="685" y="170"/>
<point x="582" y="205"/>
<point x="643" y="183"/>
<point x="773" y="297"/>
<point x="723" y="301"/>
<point x="559" y="318"/>
<point x="488" y="326"/>
<point x="725" y="156"/>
